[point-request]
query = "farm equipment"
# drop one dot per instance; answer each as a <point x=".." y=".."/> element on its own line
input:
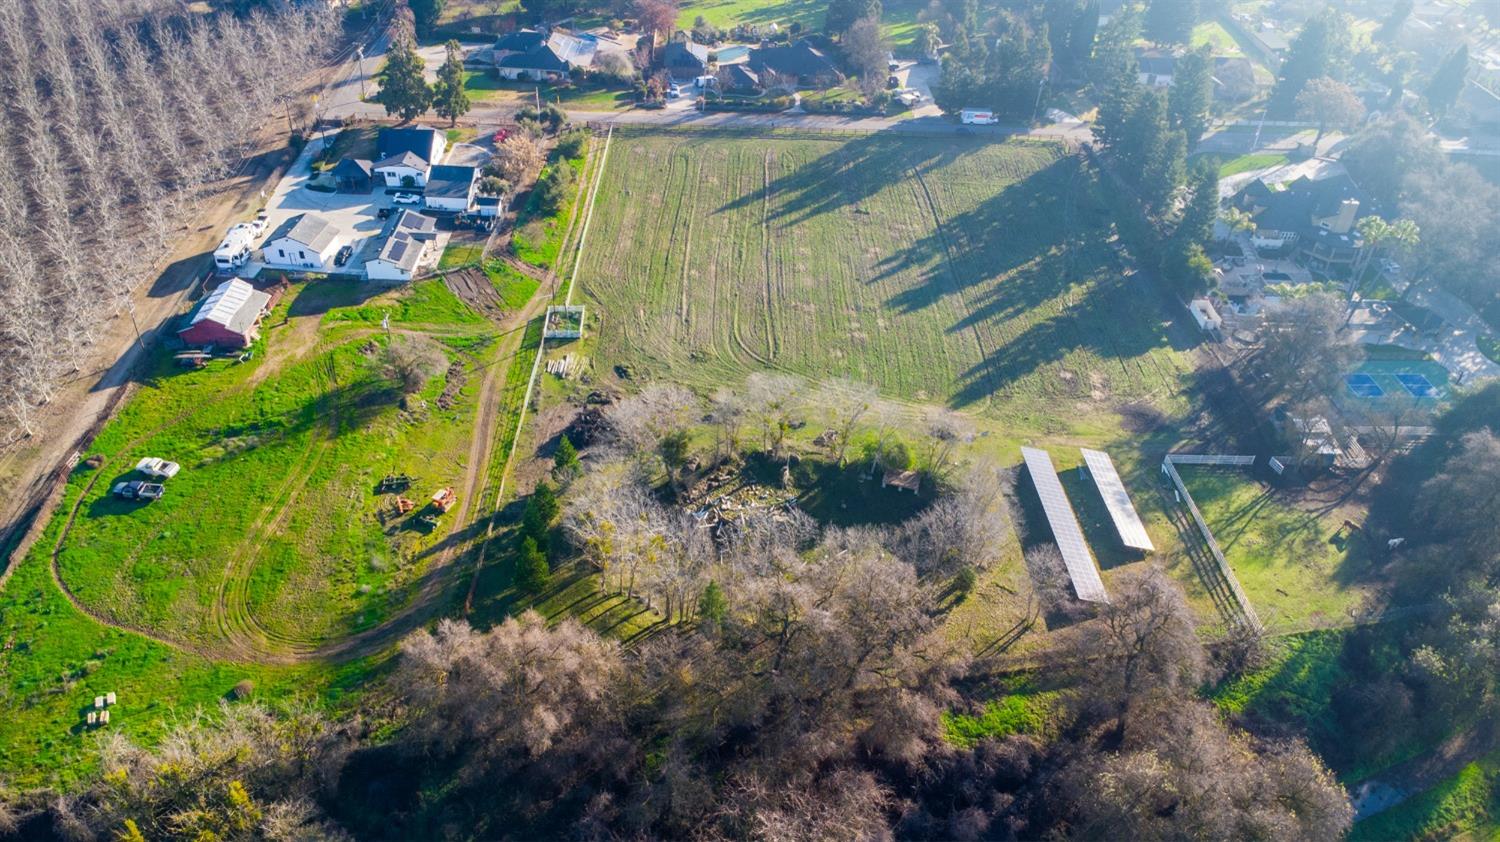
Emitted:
<point x="139" y="490"/>
<point x="428" y="521"/>
<point x="392" y="483"/>
<point x="404" y="505"/>
<point x="444" y="499"/>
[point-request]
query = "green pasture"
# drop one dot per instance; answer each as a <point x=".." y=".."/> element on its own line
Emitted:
<point x="1293" y="561"/>
<point x="963" y="273"/>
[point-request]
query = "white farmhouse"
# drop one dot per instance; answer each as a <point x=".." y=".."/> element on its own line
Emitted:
<point x="450" y="189"/>
<point x="303" y="242"/>
<point x="398" y="258"/>
<point x="404" y="169"/>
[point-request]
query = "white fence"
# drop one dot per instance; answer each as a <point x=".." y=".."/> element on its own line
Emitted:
<point x="1169" y="468"/>
<point x="1210" y="459"/>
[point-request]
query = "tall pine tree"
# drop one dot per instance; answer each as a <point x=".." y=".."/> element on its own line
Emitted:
<point x="1085" y="29"/>
<point x="1192" y="93"/>
<point x="1321" y="49"/>
<point x="403" y="88"/>
<point x="449" y="99"/>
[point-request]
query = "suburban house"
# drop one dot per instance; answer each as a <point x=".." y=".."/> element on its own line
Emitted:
<point x="228" y="317"/>
<point x="353" y="175"/>
<point x="407" y="154"/>
<point x="539" y="65"/>
<point x="684" y="60"/>
<point x="450" y="189"/>
<point x="800" y="64"/>
<point x="520" y="41"/>
<point x="404" y="169"/>
<point x="549" y="60"/>
<point x="1154" y="68"/>
<point x="397" y="259"/>
<point x="738" y="78"/>
<point x="305" y="242"/>
<point x="425" y="142"/>
<point x="1314" y="218"/>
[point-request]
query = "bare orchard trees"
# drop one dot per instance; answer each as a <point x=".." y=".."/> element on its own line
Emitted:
<point x="968" y="528"/>
<point x="114" y="122"/>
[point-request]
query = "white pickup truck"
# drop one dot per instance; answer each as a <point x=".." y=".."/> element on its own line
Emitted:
<point x="158" y="468"/>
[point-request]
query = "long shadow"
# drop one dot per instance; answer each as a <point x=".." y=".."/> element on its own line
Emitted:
<point x="852" y="172"/>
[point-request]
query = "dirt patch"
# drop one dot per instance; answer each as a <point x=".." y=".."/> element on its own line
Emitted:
<point x="454" y="382"/>
<point x="1141" y="418"/>
<point x="475" y="289"/>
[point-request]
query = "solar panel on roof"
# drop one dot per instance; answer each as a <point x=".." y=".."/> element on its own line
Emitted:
<point x="1117" y="500"/>
<point x="1065" y="528"/>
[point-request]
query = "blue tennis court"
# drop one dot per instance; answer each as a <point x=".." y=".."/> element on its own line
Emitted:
<point x="1364" y="386"/>
<point x="1419" y="386"/>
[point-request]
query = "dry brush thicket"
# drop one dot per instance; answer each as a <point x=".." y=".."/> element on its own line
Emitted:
<point x="117" y="113"/>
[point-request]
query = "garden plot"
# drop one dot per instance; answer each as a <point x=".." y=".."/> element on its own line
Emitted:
<point x="965" y="273"/>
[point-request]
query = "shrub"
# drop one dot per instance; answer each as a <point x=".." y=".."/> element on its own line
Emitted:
<point x="532" y="568"/>
<point x="242" y="690"/>
<point x="552" y="188"/>
<point x="571" y="144"/>
<point x="965" y="581"/>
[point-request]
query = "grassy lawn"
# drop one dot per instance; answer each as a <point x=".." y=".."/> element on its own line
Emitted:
<point x="486" y="87"/>
<point x="1212" y="32"/>
<point x="1229" y="166"/>
<point x="270" y="536"/>
<point x="1282" y="553"/>
<point x="1466" y="806"/>
<point x="515" y="287"/>
<point x="460" y="254"/>
<point x="711" y="257"/>
<point x="276" y="485"/>
<point x="1019" y="713"/>
<point x="353" y="142"/>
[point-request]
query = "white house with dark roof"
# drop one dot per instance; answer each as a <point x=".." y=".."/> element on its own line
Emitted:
<point x="398" y="258"/>
<point x="404" y="169"/>
<point x="305" y="241"/>
<point x="450" y="189"/>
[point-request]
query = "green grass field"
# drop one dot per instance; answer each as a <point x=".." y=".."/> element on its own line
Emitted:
<point x="1283" y="553"/>
<point x="970" y="274"/>
<point x="1465" y="806"/>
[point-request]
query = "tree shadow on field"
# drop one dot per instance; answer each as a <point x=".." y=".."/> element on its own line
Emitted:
<point x="1019" y="230"/>
<point x="852" y="172"/>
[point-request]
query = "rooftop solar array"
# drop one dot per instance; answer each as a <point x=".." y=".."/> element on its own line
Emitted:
<point x="1117" y="500"/>
<point x="1065" y="528"/>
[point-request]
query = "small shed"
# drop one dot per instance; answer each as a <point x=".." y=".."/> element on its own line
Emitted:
<point x="353" y="175"/>
<point x="488" y="206"/>
<point x="229" y="316"/>
<point x="1205" y="314"/>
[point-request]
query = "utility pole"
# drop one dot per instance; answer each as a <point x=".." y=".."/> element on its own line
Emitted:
<point x="537" y="93"/>
<point x="359" y="53"/>
<point x="1038" y="105"/>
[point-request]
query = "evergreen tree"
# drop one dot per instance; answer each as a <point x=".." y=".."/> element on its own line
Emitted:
<point x="449" y="97"/>
<point x="425" y="14"/>
<point x="566" y="455"/>
<point x="1085" y="29"/>
<point x="403" y="90"/>
<point x="1017" y="67"/>
<point x="1059" y="15"/>
<point x="842" y="14"/>
<point x="713" y="607"/>
<point x="1192" y="93"/>
<point x="1166" y="167"/>
<point x="1114" y="48"/>
<point x="1448" y="82"/>
<point x="541" y="509"/>
<point x="1143" y="131"/>
<point x="1171" y="21"/>
<point x="532" y="568"/>
<point x="1321" y="49"/>
<point x="1202" y="209"/>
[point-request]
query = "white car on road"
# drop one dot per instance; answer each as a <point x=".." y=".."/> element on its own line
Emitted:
<point x="158" y="468"/>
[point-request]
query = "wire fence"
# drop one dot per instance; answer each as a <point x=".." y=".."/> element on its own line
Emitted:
<point x="1169" y="468"/>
